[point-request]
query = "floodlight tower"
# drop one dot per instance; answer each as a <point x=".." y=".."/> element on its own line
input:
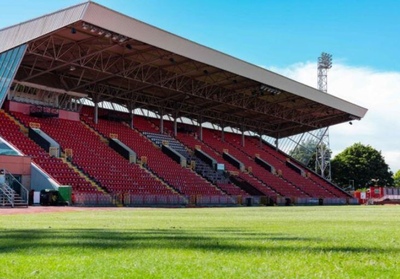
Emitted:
<point x="323" y="156"/>
<point x="324" y="64"/>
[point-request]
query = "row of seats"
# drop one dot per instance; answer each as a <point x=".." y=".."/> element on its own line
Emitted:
<point x="318" y="186"/>
<point x="289" y="183"/>
<point x="55" y="167"/>
<point x="161" y="174"/>
<point x="280" y="183"/>
<point x="298" y="185"/>
<point x="191" y="140"/>
<point x="97" y="160"/>
<point x="181" y="179"/>
<point x="200" y="167"/>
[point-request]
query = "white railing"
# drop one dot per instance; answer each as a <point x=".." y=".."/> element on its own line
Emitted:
<point x="6" y="195"/>
<point x="15" y="185"/>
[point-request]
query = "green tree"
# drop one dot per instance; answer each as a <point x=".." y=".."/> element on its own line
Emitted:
<point x="396" y="179"/>
<point x="362" y="166"/>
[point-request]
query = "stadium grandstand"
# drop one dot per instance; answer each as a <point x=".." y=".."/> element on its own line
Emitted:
<point x="98" y="108"/>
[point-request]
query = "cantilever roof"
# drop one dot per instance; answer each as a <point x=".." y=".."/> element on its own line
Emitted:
<point x="93" y="50"/>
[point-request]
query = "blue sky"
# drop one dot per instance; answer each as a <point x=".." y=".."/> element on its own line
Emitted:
<point x="277" y="33"/>
<point x="287" y="37"/>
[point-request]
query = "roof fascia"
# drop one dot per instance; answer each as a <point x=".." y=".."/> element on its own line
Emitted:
<point x="22" y="33"/>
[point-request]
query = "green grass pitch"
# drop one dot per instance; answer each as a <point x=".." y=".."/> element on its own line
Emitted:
<point x="248" y="242"/>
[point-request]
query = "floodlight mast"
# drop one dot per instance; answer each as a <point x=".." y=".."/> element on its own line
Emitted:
<point x="324" y="63"/>
<point x="323" y="156"/>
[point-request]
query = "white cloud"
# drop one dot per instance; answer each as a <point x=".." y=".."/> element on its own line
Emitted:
<point x="378" y="91"/>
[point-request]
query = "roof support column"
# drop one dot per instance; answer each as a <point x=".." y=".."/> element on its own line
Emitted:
<point x="201" y="128"/>
<point x="175" y="125"/>
<point x="223" y="132"/>
<point x="243" y="144"/>
<point x="96" y="113"/>
<point x="161" y="121"/>
<point x="131" y="115"/>
<point x="161" y="125"/>
<point x="96" y="108"/>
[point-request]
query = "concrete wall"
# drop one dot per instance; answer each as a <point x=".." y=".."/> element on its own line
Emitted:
<point x="40" y="180"/>
<point x="18" y="165"/>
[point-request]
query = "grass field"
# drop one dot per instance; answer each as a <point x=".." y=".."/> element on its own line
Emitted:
<point x="264" y="242"/>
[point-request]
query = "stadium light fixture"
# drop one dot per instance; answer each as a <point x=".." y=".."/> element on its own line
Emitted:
<point x="325" y="61"/>
<point x="274" y="91"/>
<point x="271" y="90"/>
<point x="101" y="32"/>
<point x="122" y="39"/>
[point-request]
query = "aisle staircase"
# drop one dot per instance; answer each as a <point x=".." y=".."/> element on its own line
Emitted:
<point x="10" y="197"/>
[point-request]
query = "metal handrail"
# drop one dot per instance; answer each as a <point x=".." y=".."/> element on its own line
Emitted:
<point x="10" y="180"/>
<point x="8" y="193"/>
